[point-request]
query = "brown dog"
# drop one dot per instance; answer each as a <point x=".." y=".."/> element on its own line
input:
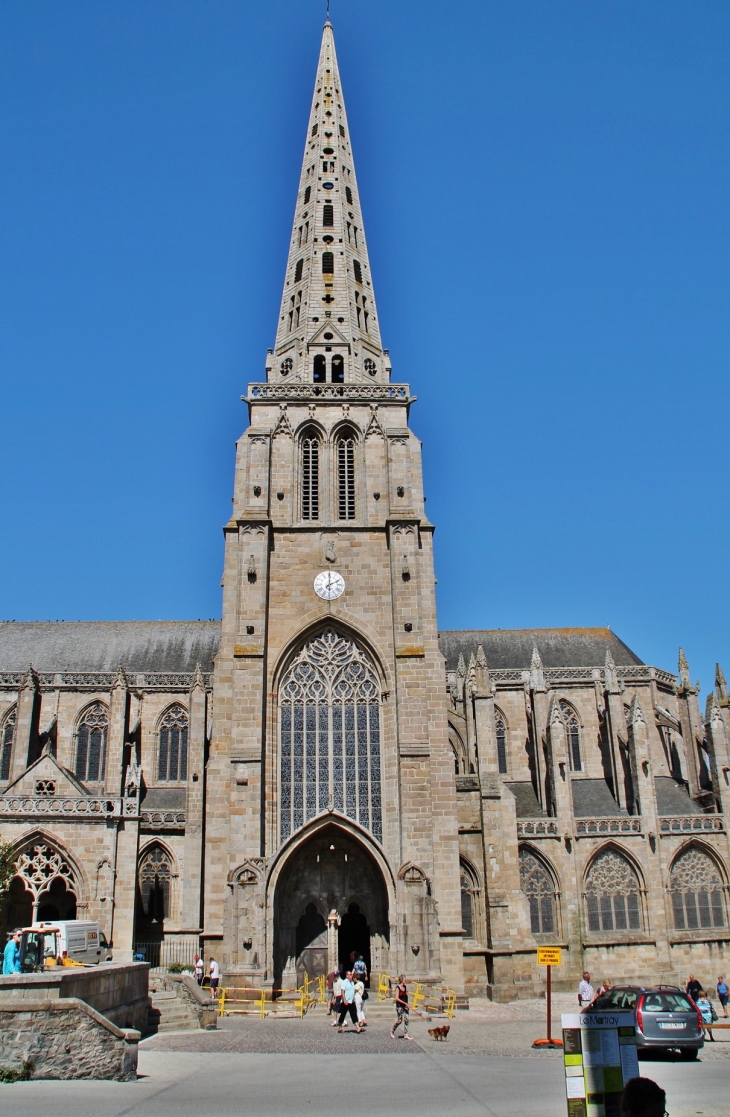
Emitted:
<point x="439" y="1033"/>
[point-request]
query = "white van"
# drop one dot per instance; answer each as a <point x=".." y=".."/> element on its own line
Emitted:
<point x="47" y="944"/>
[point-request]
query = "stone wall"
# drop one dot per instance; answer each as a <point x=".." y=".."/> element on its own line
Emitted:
<point x="65" y="1038"/>
<point x="119" y="992"/>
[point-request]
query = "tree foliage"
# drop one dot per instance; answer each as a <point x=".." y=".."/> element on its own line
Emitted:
<point x="7" y="867"/>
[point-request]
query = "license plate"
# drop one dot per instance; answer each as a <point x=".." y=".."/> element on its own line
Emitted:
<point x="666" y="1024"/>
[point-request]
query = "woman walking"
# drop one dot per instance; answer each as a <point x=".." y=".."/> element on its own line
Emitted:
<point x="402" y="1009"/>
<point x="359" y="999"/>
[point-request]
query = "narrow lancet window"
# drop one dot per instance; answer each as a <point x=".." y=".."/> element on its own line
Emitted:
<point x="346" y="476"/>
<point x="310" y="475"/>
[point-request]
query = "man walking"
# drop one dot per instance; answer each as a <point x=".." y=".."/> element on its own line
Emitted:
<point x="694" y="988"/>
<point x="348" y="1003"/>
<point x="585" y="991"/>
<point x="215" y="976"/>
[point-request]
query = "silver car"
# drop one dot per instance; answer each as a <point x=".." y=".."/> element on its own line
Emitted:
<point x="665" y="1016"/>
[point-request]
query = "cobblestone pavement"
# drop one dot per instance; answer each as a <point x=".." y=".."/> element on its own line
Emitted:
<point x="487" y="1029"/>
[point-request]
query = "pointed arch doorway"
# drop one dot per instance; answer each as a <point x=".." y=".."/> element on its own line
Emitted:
<point x="330" y="873"/>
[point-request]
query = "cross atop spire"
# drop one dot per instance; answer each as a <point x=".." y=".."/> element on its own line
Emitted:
<point x="328" y="328"/>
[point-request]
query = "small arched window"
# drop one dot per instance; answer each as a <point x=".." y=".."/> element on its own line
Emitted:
<point x="537" y="884"/>
<point x="7" y="736"/>
<point x="299" y="269"/>
<point x="172" y="750"/>
<point x="310" y="474"/>
<point x="697" y="892"/>
<point x="338" y="369"/>
<point x="328" y="263"/>
<point x="356" y="267"/>
<point x="307" y="194"/>
<point x="501" y="734"/>
<point x="572" y="731"/>
<point x="91" y="737"/>
<point x="612" y="894"/>
<point x="328" y="215"/>
<point x="319" y="369"/>
<point x="155" y="879"/>
<point x="346" y="475"/>
<point x="348" y="195"/>
<point x="467" y="906"/>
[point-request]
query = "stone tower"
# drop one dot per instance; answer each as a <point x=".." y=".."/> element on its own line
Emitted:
<point x="331" y="818"/>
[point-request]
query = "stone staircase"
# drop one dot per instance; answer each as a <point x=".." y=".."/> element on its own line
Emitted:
<point x="168" y="1012"/>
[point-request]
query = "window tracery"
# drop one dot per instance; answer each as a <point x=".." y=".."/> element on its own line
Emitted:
<point x="501" y="735"/>
<point x="91" y="736"/>
<point x="172" y="748"/>
<point x="469" y="901"/>
<point x="7" y="736"/>
<point x="155" y="884"/>
<point x="39" y="864"/>
<point x="329" y="714"/>
<point x="612" y="894"/>
<point x="537" y="884"/>
<point x="572" y="732"/>
<point x="697" y="891"/>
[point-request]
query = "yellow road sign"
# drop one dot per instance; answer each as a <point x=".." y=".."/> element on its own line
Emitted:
<point x="549" y="956"/>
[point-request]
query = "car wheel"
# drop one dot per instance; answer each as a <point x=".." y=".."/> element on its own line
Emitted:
<point x="689" y="1052"/>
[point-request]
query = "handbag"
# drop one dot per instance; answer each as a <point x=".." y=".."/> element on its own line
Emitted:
<point x="365" y="995"/>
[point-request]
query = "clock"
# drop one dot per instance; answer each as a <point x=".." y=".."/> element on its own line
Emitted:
<point x="329" y="584"/>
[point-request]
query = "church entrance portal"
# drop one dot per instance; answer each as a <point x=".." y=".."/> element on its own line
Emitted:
<point x="330" y="872"/>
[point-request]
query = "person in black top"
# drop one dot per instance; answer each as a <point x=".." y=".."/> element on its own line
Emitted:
<point x="693" y="988"/>
<point x="402" y="1008"/>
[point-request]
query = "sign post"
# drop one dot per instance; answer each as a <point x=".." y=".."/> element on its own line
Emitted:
<point x="599" y="1058"/>
<point x="549" y="956"/>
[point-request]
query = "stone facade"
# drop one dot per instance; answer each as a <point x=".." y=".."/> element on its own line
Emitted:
<point x="323" y="771"/>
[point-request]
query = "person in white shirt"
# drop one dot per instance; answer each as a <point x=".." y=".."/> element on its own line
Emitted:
<point x="199" y="969"/>
<point x="585" y="991"/>
<point x="215" y="976"/>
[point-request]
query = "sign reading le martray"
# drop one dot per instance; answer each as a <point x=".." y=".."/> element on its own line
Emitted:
<point x="599" y="1051"/>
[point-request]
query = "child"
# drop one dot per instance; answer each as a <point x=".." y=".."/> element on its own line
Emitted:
<point x="708" y="1014"/>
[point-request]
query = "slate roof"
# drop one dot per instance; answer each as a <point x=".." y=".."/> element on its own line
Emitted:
<point x="593" y="799"/>
<point x="558" y="647"/>
<point x="104" y="645"/>
<point x="671" y="797"/>
<point x="528" y="804"/>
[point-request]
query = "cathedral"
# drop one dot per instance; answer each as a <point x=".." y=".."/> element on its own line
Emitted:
<point x="323" y="771"/>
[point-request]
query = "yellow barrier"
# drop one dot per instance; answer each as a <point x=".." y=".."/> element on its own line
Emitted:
<point x="450" y="1005"/>
<point x="383" y="987"/>
<point x="418" y="997"/>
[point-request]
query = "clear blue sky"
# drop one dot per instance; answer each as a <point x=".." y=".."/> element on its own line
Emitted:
<point x="545" y="188"/>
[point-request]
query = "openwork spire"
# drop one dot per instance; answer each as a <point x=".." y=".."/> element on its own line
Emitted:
<point x="328" y="305"/>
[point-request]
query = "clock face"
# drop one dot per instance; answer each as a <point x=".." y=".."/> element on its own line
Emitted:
<point x="329" y="584"/>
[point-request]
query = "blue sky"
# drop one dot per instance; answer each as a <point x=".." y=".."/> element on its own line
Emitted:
<point x="545" y="193"/>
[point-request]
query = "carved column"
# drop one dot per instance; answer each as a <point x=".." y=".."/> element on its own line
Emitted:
<point x="560" y="761"/>
<point x="26" y="725"/>
<point x="114" y="768"/>
<point x="717" y="741"/>
<point x="691" y="721"/>
<point x="646" y="788"/>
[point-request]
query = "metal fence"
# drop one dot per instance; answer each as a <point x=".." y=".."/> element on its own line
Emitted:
<point x="167" y="952"/>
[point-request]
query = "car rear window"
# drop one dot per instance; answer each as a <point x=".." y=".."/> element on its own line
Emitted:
<point x="667" y="1002"/>
<point x="618" y="998"/>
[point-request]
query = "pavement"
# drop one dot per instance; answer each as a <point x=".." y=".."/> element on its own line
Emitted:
<point x="284" y="1068"/>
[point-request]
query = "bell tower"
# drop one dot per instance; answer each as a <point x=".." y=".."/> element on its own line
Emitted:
<point x="329" y="695"/>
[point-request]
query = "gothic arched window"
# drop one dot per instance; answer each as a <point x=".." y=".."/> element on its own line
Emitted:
<point x="91" y="734"/>
<point x="338" y="369"/>
<point x="319" y="369"/>
<point x="697" y="892"/>
<point x="7" y="736"/>
<point x="572" y="732"/>
<point x="155" y="882"/>
<point x="346" y="475"/>
<point x="501" y="734"/>
<point x="330" y="735"/>
<point x="172" y="746"/>
<point x="328" y="263"/>
<point x="538" y="885"/>
<point x="612" y="894"/>
<point x="310" y="474"/>
<point x="469" y="901"/>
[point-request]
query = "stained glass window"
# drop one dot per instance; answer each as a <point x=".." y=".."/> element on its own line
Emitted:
<point x="329" y="721"/>
<point x="572" y="729"/>
<point x="91" y="737"/>
<point x="537" y="884"/>
<point x="172" y="752"/>
<point x="155" y="877"/>
<point x="697" y="891"/>
<point x="612" y="894"/>
<point x="501" y="732"/>
<point x="346" y="476"/>
<point x="7" y="736"/>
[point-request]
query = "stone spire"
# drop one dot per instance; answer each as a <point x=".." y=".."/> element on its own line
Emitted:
<point x="328" y="305"/>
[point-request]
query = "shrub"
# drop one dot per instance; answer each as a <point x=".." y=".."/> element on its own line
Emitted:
<point x="11" y="1074"/>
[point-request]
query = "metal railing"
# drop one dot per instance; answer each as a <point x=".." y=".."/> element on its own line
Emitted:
<point x="166" y="952"/>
